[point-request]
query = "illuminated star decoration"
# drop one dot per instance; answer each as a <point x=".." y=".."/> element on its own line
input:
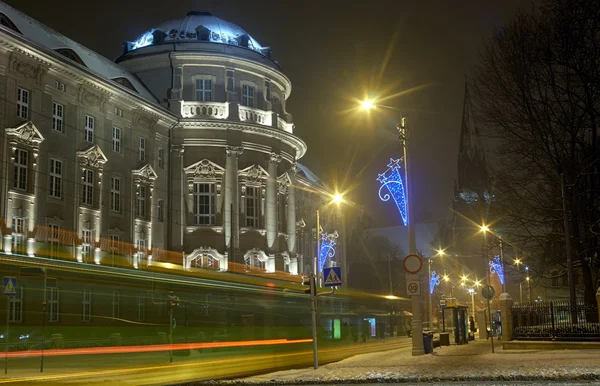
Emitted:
<point x="433" y="281"/>
<point x="392" y="181"/>
<point x="327" y="247"/>
<point x="496" y="268"/>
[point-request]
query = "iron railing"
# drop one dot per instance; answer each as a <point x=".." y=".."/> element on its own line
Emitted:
<point x="559" y="320"/>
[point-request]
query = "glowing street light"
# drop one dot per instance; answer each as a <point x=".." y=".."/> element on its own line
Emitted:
<point x="446" y="278"/>
<point x="464" y="278"/>
<point x="367" y="104"/>
<point x="337" y="198"/>
<point x="484" y="228"/>
<point x="518" y="262"/>
<point x="440" y="252"/>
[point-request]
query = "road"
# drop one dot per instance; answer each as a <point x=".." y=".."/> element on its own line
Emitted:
<point x="154" y="368"/>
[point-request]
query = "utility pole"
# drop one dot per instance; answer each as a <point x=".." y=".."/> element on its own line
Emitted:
<point x="572" y="297"/>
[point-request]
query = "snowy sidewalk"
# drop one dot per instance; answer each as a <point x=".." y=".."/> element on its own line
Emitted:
<point x="472" y="362"/>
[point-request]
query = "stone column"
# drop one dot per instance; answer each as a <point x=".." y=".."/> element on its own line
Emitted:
<point x="506" y="303"/>
<point x="271" y="202"/>
<point x="291" y="210"/>
<point x="232" y="198"/>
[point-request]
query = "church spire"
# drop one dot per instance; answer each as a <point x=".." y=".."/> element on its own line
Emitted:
<point x="469" y="136"/>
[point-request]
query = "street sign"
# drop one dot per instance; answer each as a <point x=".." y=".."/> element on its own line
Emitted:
<point x="412" y="263"/>
<point x="413" y="285"/>
<point x="488" y="292"/>
<point x="333" y="276"/>
<point x="442" y="303"/>
<point x="10" y="286"/>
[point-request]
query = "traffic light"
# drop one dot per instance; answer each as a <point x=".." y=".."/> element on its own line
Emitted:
<point x="311" y="283"/>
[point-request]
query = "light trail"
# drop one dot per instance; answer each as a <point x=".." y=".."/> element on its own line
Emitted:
<point x="151" y="348"/>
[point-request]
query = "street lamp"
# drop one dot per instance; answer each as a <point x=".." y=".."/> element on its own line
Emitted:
<point x="417" y="327"/>
<point x="472" y="292"/>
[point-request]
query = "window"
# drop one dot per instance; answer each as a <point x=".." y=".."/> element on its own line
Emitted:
<point x="86" y="311"/>
<point x="161" y="158"/>
<point x="267" y="90"/>
<point x="86" y="244"/>
<point x="55" y="178"/>
<point x="159" y="210"/>
<point x="22" y="103"/>
<point x="141" y="247"/>
<point x="52" y="304"/>
<point x="115" y="304"/>
<point x="115" y="194"/>
<point x="53" y="238"/>
<point x="70" y="54"/>
<point x="15" y="312"/>
<point x="141" y="202"/>
<point x="18" y="234"/>
<point x="88" y="186"/>
<point x="230" y="79"/>
<point x="89" y="129"/>
<point x="116" y="139"/>
<point x="57" y="117"/>
<point x="20" y="169"/>
<point x="204" y="204"/>
<point x="60" y="86"/>
<point x="142" y="149"/>
<point x="248" y="95"/>
<point x="118" y="112"/>
<point x="141" y="307"/>
<point x="204" y="90"/>
<point x="114" y="242"/>
<point x="252" y="206"/>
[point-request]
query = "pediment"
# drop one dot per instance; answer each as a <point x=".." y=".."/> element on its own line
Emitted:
<point x="284" y="179"/>
<point x="204" y="169"/>
<point x="146" y="173"/>
<point x="92" y="157"/>
<point x="25" y="133"/>
<point x="254" y="173"/>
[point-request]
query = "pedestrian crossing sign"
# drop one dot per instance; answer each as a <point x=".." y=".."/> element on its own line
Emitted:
<point x="10" y="286"/>
<point x="333" y="276"/>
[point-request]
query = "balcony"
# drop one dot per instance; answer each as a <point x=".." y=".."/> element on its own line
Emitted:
<point x="216" y="110"/>
<point x="249" y="114"/>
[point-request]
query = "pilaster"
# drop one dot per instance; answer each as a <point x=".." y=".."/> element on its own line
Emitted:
<point x="271" y="204"/>
<point x="231" y="218"/>
<point x="291" y="210"/>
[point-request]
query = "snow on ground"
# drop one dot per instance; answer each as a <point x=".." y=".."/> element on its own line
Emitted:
<point x="471" y="362"/>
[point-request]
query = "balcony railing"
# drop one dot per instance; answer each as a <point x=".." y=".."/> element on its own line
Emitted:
<point x="283" y="125"/>
<point x="249" y="114"/>
<point x="216" y="110"/>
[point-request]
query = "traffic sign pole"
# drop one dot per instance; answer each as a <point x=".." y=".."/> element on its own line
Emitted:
<point x="413" y="265"/>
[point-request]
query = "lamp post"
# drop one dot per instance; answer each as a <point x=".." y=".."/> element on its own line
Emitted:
<point x="472" y="292"/>
<point x="485" y="229"/>
<point x="417" y="326"/>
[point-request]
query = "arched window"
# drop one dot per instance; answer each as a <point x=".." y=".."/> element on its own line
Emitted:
<point x="6" y="22"/>
<point x="69" y="53"/>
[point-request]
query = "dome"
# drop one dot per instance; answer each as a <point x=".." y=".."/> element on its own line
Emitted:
<point x="198" y="27"/>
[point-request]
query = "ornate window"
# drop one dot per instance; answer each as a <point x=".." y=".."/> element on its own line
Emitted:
<point x="115" y="194"/>
<point x="204" y="208"/>
<point x="116" y="139"/>
<point x="248" y="95"/>
<point x="140" y="208"/>
<point x="57" y="117"/>
<point x="86" y="243"/>
<point x="88" y="187"/>
<point x="22" y="103"/>
<point x="204" y="90"/>
<point x="89" y="129"/>
<point x="252" y="206"/>
<point x="255" y="258"/>
<point x="144" y="181"/>
<point x="53" y="304"/>
<point x="18" y="234"/>
<point x="86" y="303"/>
<point x="21" y="163"/>
<point x="56" y="173"/>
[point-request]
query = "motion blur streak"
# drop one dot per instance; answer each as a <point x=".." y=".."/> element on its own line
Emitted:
<point x="151" y="348"/>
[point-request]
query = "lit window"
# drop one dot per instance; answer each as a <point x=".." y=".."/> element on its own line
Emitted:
<point x="204" y="203"/>
<point x="86" y="312"/>
<point x="53" y="238"/>
<point x="161" y="158"/>
<point x="55" y="178"/>
<point x="248" y="93"/>
<point x="15" y="311"/>
<point x="204" y="90"/>
<point x="141" y="202"/>
<point x="141" y="247"/>
<point x="89" y="129"/>
<point x="159" y="210"/>
<point x="142" y="149"/>
<point x="18" y="234"/>
<point x="115" y="304"/>
<point x="116" y="139"/>
<point x="88" y="186"/>
<point x="57" y="117"/>
<point x="86" y="244"/>
<point x="52" y="304"/>
<point x="115" y="194"/>
<point x="252" y="206"/>
<point x="20" y="169"/>
<point x="22" y="103"/>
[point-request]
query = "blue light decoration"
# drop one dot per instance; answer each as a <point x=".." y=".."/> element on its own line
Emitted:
<point x="392" y="181"/>
<point x="496" y="268"/>
<point x="433" y="281"/>
<point x="327" y="247"/>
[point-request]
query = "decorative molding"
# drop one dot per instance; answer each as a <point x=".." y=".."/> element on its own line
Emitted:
<point x="55" y="221"/>
<point x="231" y="150"/>
<point x="145" y="174"/>
<point x="253" y="174"/>
<point x="293" y="170"/>
<point x="275" y="159"/>
<point x="257" y="254"/>
<point x="26" y="134"/>
<point x="143" y="120"/>
<point x="92" y="99"/>
<point x="26" y="69"/>
<point x="92" y="157"/>
<point x="300" y="224"/>
<point x="206" y="253"/>
<point x="283" y="182"/>
<point x="204" y="169"/>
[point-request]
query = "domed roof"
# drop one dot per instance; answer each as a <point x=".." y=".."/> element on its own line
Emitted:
<point x="198" y="27"/>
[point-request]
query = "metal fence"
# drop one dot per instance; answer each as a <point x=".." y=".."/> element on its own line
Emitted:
<point x="559" y="320"/>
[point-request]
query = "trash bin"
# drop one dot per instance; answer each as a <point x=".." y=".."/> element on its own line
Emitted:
<point x="444" y="339"/>
<point x="428" y="342"/>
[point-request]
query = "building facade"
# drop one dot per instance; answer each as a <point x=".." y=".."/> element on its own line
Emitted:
<point x="182" y="151"/>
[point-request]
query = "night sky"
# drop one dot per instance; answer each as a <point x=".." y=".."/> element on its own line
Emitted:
<point x="336" y="53"/>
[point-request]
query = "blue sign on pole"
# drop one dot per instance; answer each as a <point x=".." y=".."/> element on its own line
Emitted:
<point x="10" y="286"/>
<point x="332" y="276"/>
